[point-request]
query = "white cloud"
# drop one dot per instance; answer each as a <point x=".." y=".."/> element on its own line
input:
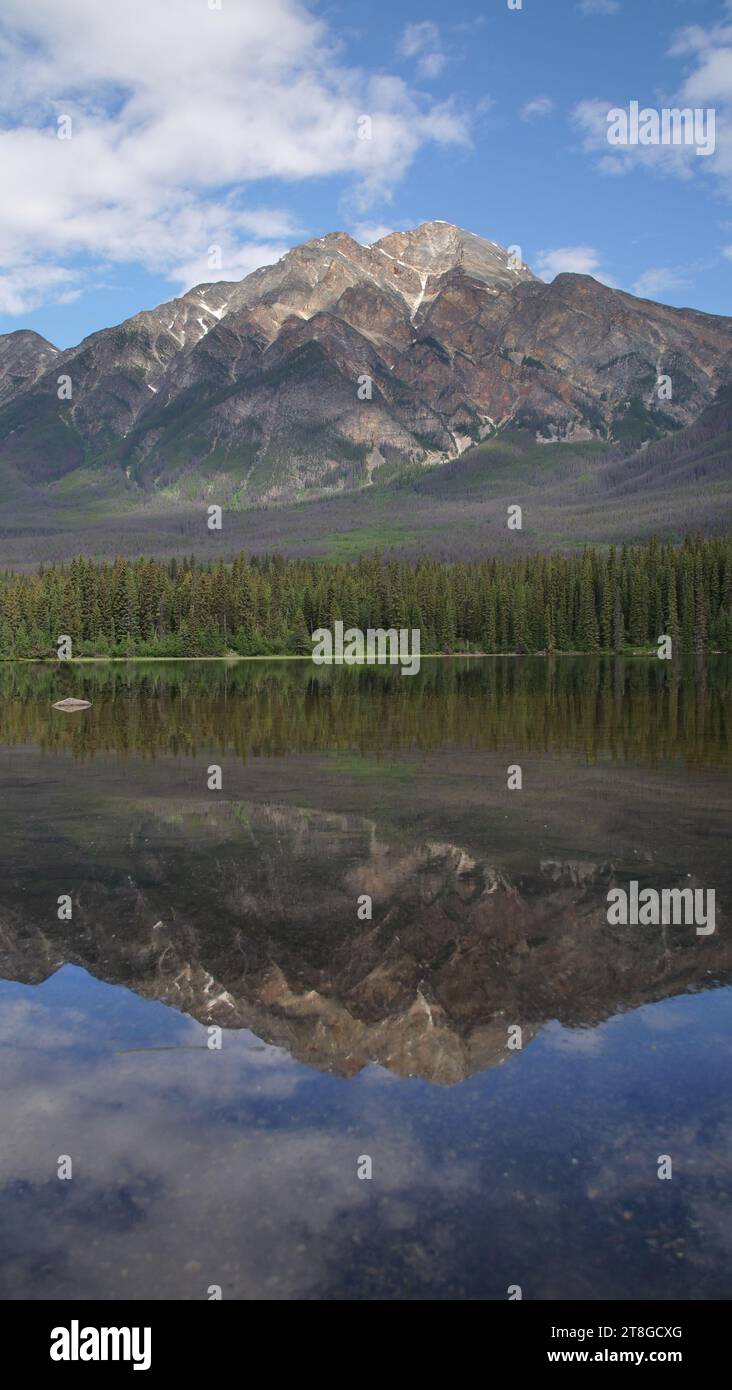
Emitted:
<point x="238" y="261"/>
<point x="369" y="232"/>
<point x="580" y="260"/>
<point x="590" y="119"/>
<point x="657" y="281"/>
<point x="539" y="106"/>
<point x="431" y="64"/>
<point x="588" y="260"/>
<point x="707" y="84"/>
<point x="599" y="6"/>
<point x="28" y="287"/>
<point x="274" y="1205"/>
<point x="422" y="41"/>
<point x="178" y="113"/>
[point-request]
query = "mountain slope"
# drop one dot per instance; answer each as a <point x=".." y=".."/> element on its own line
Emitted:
<point x="259" y="386"/>
<point x="24" y="356"/>
<point x="571" y="494"/>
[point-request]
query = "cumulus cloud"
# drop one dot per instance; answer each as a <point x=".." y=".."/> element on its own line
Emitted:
<point x="707" y="84"/>
<point x="422" y="41"/>
<point x="178" y="113"/>
<point x="27" y="287"/>
<point x="539" y="106"/>
<point x="590" y="119"/>
<point x="179" y="1198"/>
<point x="580" y="260"/>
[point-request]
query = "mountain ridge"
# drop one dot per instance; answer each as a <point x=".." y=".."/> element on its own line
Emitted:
<point x="258" y="384"/>
<point x="250" y="393"/>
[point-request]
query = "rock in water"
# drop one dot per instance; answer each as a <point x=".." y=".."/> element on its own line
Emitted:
<point x="71" y="706"/>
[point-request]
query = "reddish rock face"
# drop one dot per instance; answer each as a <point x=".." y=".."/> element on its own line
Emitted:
<point x="259" y="379"/>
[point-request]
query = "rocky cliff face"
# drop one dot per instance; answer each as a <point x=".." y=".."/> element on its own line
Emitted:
<point x="260" y="383"/>
<point x="24" y="356"/>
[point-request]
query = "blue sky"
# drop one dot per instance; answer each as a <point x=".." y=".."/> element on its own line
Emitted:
<point x="236" y="127"/>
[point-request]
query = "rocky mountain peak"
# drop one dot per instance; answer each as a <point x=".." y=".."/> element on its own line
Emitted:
<point x="311" y="277"/>
<point x="24" y="355"/>
<point x="256" y="382"/>
<point x="435" y="248"/>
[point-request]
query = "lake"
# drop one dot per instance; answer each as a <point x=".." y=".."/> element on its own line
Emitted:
<point x="254" y="996"/>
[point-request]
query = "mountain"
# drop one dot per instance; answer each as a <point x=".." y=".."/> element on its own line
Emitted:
<point x="24" y="356"/>
<point x="253" y="387"/>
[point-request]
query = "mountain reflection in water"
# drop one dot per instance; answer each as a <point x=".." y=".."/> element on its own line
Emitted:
<point x="343" y="1036"/>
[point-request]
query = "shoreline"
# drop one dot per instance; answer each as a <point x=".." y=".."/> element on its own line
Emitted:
<point x="426" y="656"/>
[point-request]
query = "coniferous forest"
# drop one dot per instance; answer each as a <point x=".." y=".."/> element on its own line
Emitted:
<point x="591" y="601"/>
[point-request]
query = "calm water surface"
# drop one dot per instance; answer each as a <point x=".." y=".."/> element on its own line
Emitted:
<point x="343" y="1038"/>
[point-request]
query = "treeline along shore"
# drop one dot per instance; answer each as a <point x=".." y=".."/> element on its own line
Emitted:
<point x="595" y="600"/>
